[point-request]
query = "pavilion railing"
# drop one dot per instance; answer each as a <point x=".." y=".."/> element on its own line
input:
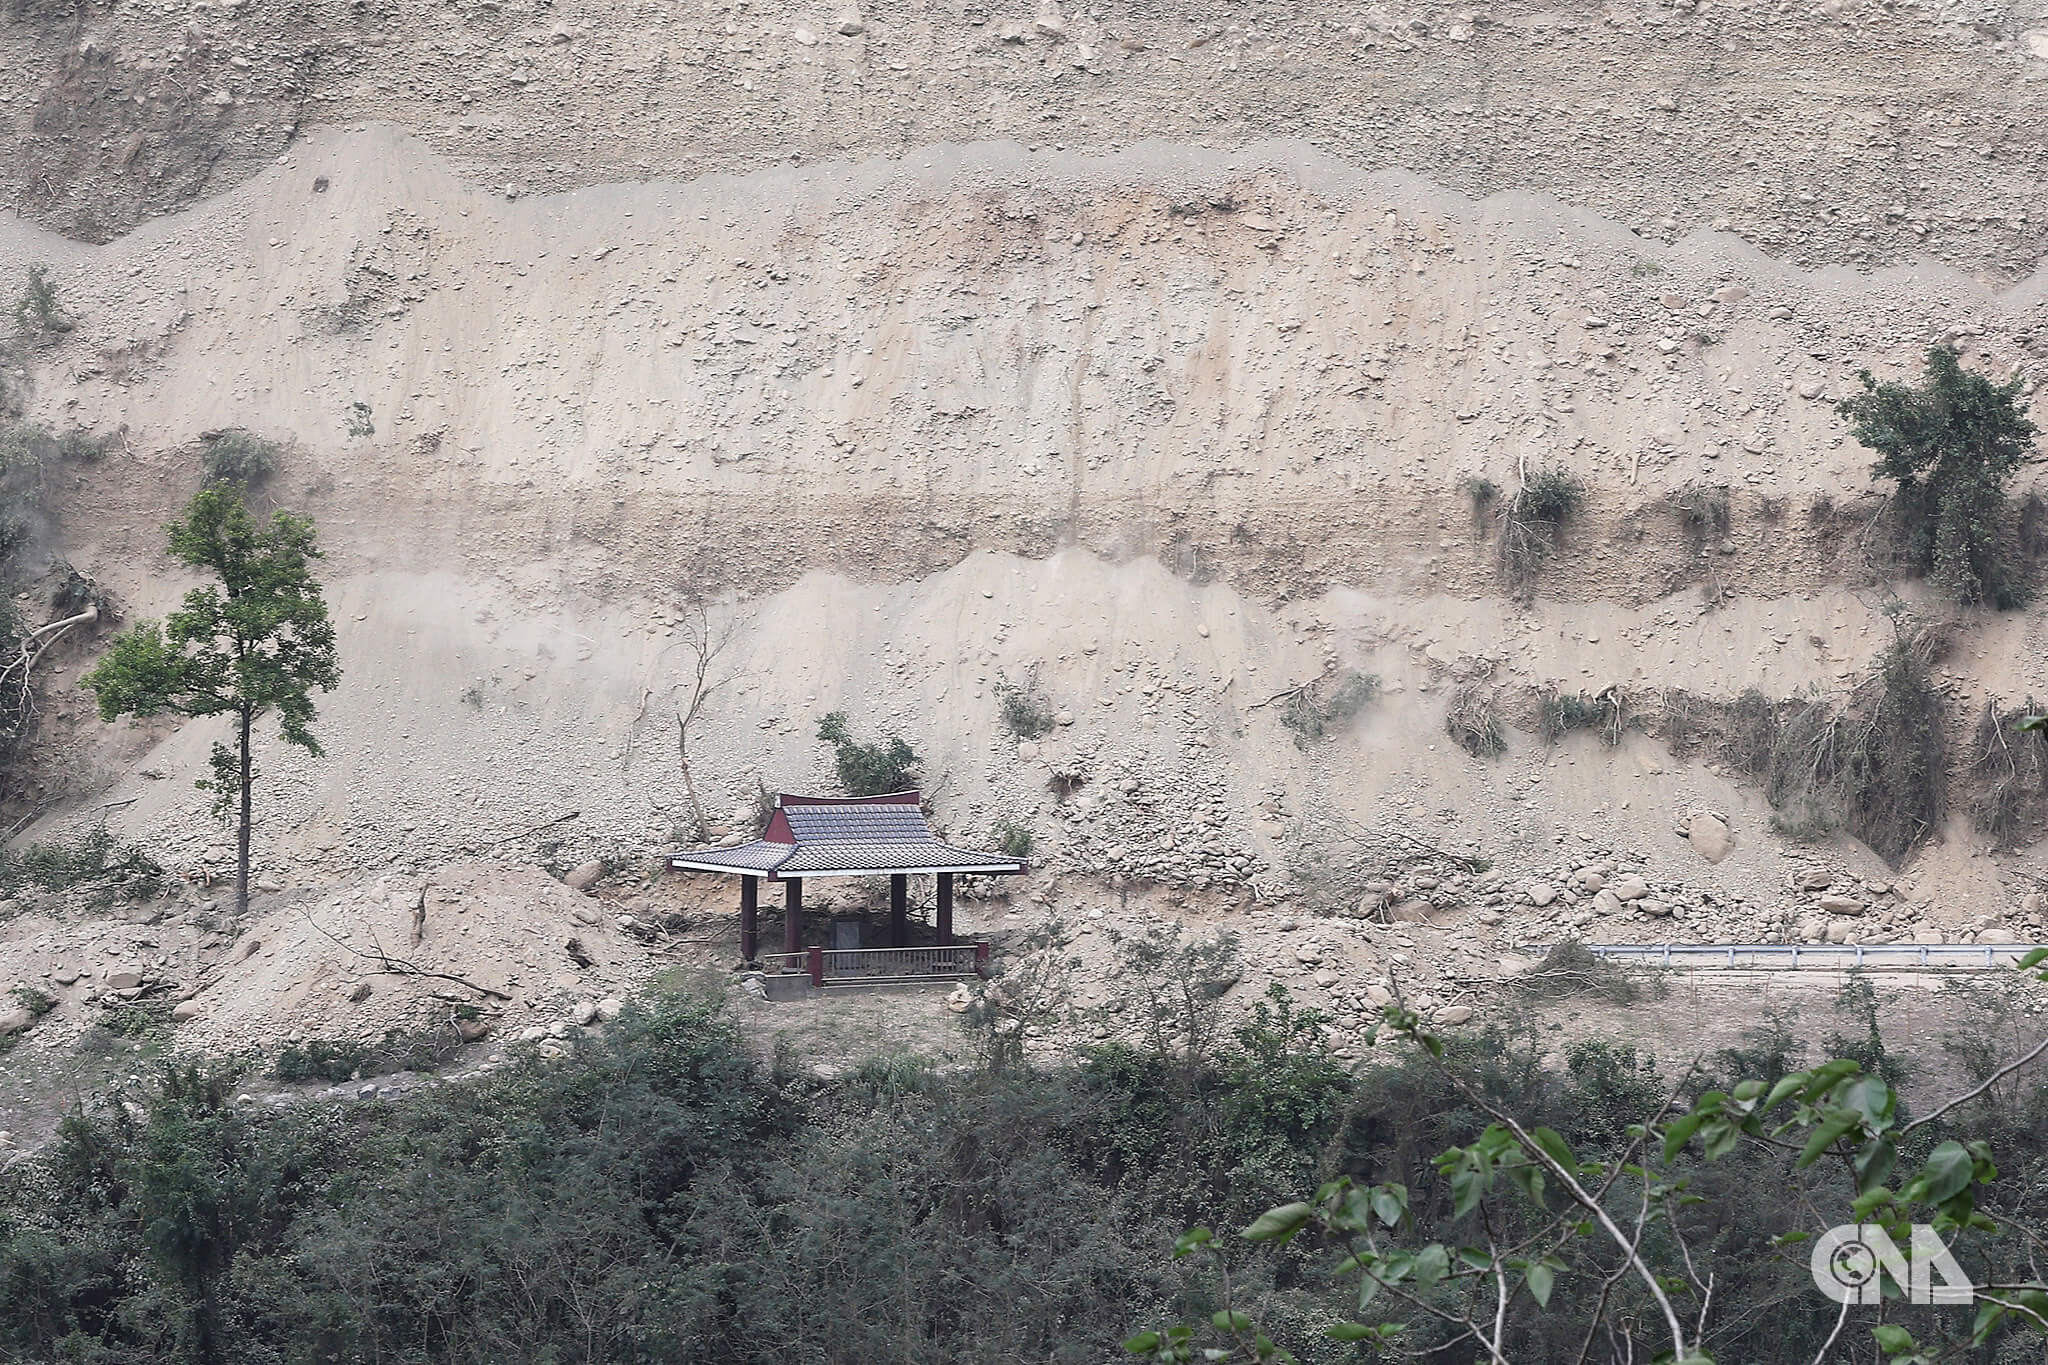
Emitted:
<point x="827" y="966"/>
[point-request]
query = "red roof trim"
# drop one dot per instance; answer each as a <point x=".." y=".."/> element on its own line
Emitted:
<point x="778" y="831"/>
<point x="909" y="798"/>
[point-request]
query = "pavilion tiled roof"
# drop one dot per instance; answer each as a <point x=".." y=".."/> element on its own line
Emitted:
<point x="824" y="836"/>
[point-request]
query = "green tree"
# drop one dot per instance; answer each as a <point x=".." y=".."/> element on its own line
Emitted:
<point x="868" y="769"/>
<point x="1951" y="444"/>
<point x="259" y="639"/>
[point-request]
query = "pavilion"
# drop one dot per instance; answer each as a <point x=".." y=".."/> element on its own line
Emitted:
<point x="843" y="836"/>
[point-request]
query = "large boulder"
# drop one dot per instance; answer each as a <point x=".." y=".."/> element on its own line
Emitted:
<point x="1709" y="837"/>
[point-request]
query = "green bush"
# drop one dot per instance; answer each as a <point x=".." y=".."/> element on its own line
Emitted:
<point x="1013" y="840"/>
<point x="37" y="312"/>
<point x="1024" y="713"/>
<point x="1951" y="444"/>
<point x="318" y="1059"/>
<point x="237" y="457"/>
<point x="113" y="869"/>
<point x="36" y="1002"/>
<point x="868" y="769"/>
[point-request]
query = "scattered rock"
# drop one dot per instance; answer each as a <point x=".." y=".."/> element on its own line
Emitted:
<point x="359" y="992"/>
<point x="14" y="1020"/>
<point x="849" y="24"/>
<point x="126" y="980"/>
<point x="584" y="1013"/>
<point x="1835" y="903"/>
<point x="186" y="1010"/>
<point x="1454" y="1014"/>
<point x="1629" y="887"/>
<point x="586" y="876"/>
<point x="1541" y="894"/>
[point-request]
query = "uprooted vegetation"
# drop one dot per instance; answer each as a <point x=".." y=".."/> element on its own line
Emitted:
<point x="1703" y="512"/>
<point x="1571" y="970"/>
<point x="1874" y="764"/>
<point x="1322" y="705"/>
<point x="1473" y="720"/>
<point x="1527" y="525"/>
<point x="2006" y="771"/>
<point x="1603" y="713"/>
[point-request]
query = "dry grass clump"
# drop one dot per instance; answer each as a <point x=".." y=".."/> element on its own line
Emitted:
<point x="1703" y="512"/>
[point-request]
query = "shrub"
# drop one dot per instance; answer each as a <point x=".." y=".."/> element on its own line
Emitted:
<point x="37" y="312"/>
<point x="1024" y="713"/>
<point x="237" y="457"/>
<point x="95" y="859"/>
<point x="1012" y="839"/>
<point x="1471" y="720"/>
<point x="318" y="1059"/>
<point x="868" y="769"/>
<point x="34" y="1001"/>
<point x="1572" y="969"/>
<point x="1950" y="444"/>
<point x="1315" y="708"/>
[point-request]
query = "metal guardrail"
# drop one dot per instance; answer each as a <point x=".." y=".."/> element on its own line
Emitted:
<point x="826" y="966"/>
<point x="1819" y="956"/>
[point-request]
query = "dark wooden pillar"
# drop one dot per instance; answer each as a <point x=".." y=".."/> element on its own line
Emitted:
<point x="750" y="918"/>
<point x="899" y="911"/>
<point x="793" y="915"/>
<point x="945" y="907"/>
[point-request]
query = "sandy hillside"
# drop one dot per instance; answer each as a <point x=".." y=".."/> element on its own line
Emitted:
<point x="1149" y="361"/>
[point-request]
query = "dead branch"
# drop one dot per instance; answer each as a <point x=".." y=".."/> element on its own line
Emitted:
<point x="387" y="965"/>
<point x="545" y="824"/>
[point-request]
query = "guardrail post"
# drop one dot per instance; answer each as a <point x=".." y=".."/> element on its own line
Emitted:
<point x="817" y="965"/>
